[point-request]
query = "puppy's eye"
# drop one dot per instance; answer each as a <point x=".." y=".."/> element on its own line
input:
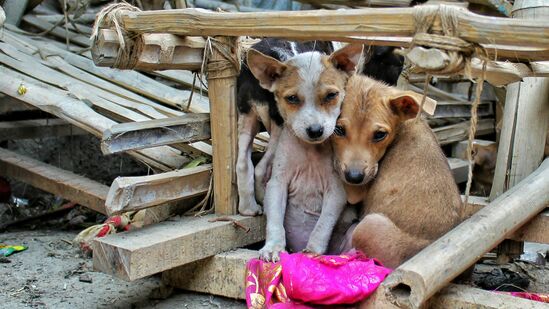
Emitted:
<point x="379" y="136"/>
<point x="292" y="99"/>
<point x="330" y="96"/>
<point x="339" y="131"/>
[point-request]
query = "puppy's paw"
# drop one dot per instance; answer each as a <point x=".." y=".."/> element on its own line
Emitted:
<point x="315" y="248"/>
<point x="250" y="208"/>
<point x="271" y="252"/>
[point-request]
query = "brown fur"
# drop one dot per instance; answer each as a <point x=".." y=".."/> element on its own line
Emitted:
<point x="485" y="166"/>
<point x="410" y="198"/>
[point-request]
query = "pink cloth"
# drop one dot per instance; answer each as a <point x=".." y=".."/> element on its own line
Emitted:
<point x="299" y="280"/>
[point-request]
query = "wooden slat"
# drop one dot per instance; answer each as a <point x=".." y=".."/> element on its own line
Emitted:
<point x="159" y="247"/>
<point x="459" y="169"/>
<point x="223" y="274"/>
<point x="57" y="31"/>
<point x="37" y="128"/>
<point x="51" y="179"/>
<point x="135" y="193"/>
<point x="145" y="134"/>
<point x="325" y="25"/>
<point x="459" y="131"/>
<point x="58" y="103"/>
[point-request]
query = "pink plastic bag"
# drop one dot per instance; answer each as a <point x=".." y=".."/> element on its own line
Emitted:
<point x="331" y="279"/>
<point x="306" y="279"/>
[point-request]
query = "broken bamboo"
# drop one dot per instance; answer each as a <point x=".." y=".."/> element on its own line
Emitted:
<point x="415" y="281"/>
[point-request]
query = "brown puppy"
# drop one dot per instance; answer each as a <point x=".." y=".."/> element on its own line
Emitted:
<point x="394" y="165"/>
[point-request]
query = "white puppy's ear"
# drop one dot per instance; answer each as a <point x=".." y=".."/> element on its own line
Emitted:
<point x="347" y="58"/>
<point x="406" y="104"/>
<point x="266" y="69"/>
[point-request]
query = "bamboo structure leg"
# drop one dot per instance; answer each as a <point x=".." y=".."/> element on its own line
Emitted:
<point x="222" y="73"/>
<point x="522" y="141"/>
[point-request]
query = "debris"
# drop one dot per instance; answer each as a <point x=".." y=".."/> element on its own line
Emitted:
<point x="85" y="278"/>
<point x="7" y="250"/>
<point x="4" y="260"/>
<point x="503" y="279"/>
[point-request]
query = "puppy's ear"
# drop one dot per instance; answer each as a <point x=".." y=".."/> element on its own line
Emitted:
<point x="347" y="58"/>
<point x="406" y="104"/>
<point x="266" y="69"/>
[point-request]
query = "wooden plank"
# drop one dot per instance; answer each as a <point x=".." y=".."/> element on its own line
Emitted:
<point x="159" y="247"/>
<point x="57" y="31"/>
<point x="157" y="51"/>
<point x="460" y="131"/>
<point x="58" y="103"/>
<point x="326" y="25"/>
<point x="14" y="10"/>
<point x="37" y="128"/>
<point x="223" y="117"/>
<point x="456" y="109"/>
<point x="459" y="168"/>
<point x="51" y="179"/>
<point x="145" y="134"/>
<point x="135" y="193"/>
<point x="223" y="274"/>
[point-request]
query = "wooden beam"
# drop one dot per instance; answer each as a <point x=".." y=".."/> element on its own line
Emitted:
<point x="537" y="230"/>
<point x="223" y="117"/>
<point x="326" y="25"/>
<point x="223" y="274"/>
<point x="14" y="11"/>
<point x="157" y="51"/>
<point x="459" y="131"/>
<point x="459" y="296"/>
<point x="165" y="245"/>
<point x="158" y="132"/>
<point x="59" y="32"/>
<point x="459" y="109"/>
<point x="51" y="179"/>
<point x="419" y="278"/>
<point x="135" y="193"/>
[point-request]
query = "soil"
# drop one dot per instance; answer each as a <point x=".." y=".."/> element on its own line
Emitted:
<point x="52" y="273"/>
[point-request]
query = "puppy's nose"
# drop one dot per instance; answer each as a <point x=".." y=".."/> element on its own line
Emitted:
<point x="354" y="176"/>
<point x="315" y="131"/>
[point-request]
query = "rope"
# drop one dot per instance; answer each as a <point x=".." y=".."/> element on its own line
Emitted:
<point x="130" y="43"/>
<point x="473" y="130"/>
<point x="226" y="66"/>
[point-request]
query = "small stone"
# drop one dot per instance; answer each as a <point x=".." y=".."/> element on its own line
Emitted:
<point x="85" y="278"/>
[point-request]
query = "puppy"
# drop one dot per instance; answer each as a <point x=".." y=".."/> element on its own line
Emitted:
<point x="395" y="167"/>
<point x="304" y="196"/>
<point x="257" y="107"/>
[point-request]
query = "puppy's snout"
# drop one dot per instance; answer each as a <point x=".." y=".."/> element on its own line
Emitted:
<point x="315" y="131"/>
<point x="354" y="176"/>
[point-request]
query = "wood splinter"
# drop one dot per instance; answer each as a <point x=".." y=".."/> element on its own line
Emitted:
<point x="234" y="222"/>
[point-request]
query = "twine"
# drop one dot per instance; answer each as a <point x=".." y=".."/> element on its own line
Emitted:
<point x="228" y="65"/>
<point x="130" y="43"/>
<point x="473" y="130"/>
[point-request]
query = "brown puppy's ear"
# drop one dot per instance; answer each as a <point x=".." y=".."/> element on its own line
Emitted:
<point x="406" y="104"/>
<point x="347" y="58"/>
<point x="266" y="69"/>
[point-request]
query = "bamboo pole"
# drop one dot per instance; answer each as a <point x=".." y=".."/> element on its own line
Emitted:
<point x="415" y="281"/>
<point x="223" y="118"/>
<point x="326" y="25"/>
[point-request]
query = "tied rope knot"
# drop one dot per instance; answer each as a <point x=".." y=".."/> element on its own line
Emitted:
<point x="227" y="61"/>
<point x="443" y="52"/>
<point x="130" y="43"/>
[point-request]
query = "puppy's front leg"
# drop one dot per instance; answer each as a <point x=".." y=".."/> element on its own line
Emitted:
<point x="264" y="167"/>
<point x="276" y="197"/>
<point x="333" y="203"/>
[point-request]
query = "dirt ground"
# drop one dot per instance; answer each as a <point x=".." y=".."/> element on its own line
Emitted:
<point x="51" y="273"/>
